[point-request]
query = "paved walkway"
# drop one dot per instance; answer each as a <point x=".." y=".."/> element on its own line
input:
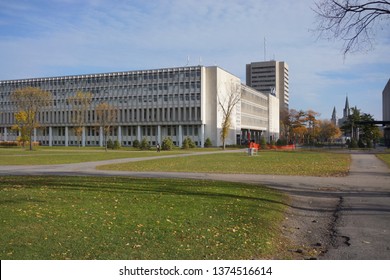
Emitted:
<point x="329" y="217"/>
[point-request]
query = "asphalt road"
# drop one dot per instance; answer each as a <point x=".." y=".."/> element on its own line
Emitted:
<point x="328" y="217"/>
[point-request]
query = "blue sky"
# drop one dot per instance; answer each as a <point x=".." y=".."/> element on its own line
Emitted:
<point x="40" y="38"/>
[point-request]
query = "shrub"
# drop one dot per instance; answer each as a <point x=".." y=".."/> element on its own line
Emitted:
<point x="9" y="143"/>
<point x="207" y="143"/>
<point x="167" y="144"/>
<point x="188" y="144"/>
<point x="116" y="145"/>
<point x="144" y="144"/>
<point x="281" y="142"/>
<point x="263" y="143"/>
<point x="185" y="145"/>
<point x="136" y="144"/>
<point x="17" y="143"/>
<point x="353" y="144"/>
<point x="110" y="144"/>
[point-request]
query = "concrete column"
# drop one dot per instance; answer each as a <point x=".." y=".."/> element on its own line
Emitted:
<point x="120" y="135"/>
<point x="180" y="139"/>
<point x="66" y="136"/>
<point x="139" y="133"/>
<point x="159" y="140"/>
<point x="35" y="135"/>
<point x="83" y="137"/>
<point x="50" y="136"/>
<point x="201" y="135"/>
<point x="5" y="134"/>
<point x="101" y="136"/>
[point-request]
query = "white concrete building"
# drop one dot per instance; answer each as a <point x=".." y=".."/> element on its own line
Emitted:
<point x="153" y="104"/>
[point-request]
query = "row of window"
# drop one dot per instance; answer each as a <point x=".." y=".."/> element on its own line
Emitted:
<point x="253" y="121"/>
<point x="128" y="134"/>
<point x="254" y="110"/>
<point x="176" y="114"/>
<point x="97" y="143"/>
<point x="106" y="79"/>
<point x="128" y="90"/>
<point x="126" y="131"/>
<point x="254" y="98"/>
<point x="134" y="100"/>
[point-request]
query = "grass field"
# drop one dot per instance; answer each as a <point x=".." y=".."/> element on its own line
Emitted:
<point x="63" y="155"/>
<point x="127" y="218"/>
<point x="304" y="163"/>
<point x="385" y="158"/>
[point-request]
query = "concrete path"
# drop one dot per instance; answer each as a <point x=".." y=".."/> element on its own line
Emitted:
<point x="328" y="218"/>
<point x="363" y="224"/>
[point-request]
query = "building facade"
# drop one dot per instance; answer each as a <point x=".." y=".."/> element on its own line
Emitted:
<point x="153" y="104"/>
<point x="386" y="112"/>
<point x="386" y="102"/>
<point x="270" y="77"/>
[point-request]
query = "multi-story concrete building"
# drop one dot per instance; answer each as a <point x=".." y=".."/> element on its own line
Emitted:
<point x="386" y="112"/>
<point x="270" y="77"/>
<point x="152" y="104"/>
<point x="386" y="102"/>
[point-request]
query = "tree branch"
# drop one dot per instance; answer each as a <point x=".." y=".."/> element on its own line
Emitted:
<point x="349" y="20"/>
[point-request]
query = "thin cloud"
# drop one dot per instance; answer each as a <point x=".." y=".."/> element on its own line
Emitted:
<point x="70" y="37"/>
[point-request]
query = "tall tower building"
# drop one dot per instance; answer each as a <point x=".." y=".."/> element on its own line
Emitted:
<point x="270" y="77"/>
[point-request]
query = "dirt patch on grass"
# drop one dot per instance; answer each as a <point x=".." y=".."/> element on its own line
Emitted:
<point x="308" y="227"/>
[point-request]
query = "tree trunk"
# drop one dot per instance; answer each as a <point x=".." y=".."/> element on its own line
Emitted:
<point x="31" y="145"/>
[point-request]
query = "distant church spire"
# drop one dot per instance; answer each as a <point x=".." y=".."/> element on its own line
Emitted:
<point x="334" y="118"/>
<point x="346" y="111"/>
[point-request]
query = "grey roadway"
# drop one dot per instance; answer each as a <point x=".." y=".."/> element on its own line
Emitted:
<point x="328" y="217"/>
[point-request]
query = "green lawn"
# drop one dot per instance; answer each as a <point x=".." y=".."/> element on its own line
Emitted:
<point x="385" y="158"/>
<point x="128" y="218"/>
<point x="63" y="155"/>
<point x="306" y="163"/>
<point x="303" y="163"/>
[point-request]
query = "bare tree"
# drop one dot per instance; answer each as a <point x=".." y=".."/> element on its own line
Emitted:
<point x="228" y="97"/>
<point x="30" y="101"/>
<point x="106" y="117"/>
<point x="80" y="103"/>
<point x="286" y="128"/>
<point x="312" y="124"/>
<point x="352" y="21"/>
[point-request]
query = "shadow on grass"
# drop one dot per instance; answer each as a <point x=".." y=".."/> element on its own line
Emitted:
<point x="182" y="187"/>
<point x="124" y="186"/>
